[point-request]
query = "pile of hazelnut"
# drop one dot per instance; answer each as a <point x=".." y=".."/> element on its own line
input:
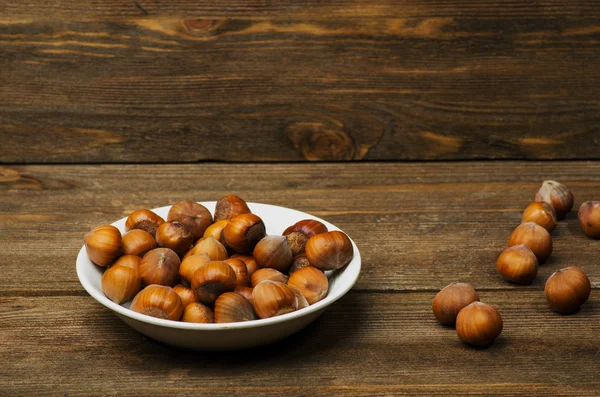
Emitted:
<point x="194" y="269"/>
<point x="529" y="245"/>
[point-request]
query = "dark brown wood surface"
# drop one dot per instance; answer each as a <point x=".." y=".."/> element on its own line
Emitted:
<point x="419" y="226"/>
<point x="185" y="81"/>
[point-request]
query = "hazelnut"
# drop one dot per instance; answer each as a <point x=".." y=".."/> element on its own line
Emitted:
<point x="194" y="216"/>
<point x="533" y="236"/>
<point x="518" y="264"/>
<point x="299" y="233"/>
<point x="541" y="213"/>
<point x="160" y="266"/>
<point x="558" y="196"/>
<point x="330" y="250"/>
<point x="229" y="207"/>
<point x="103" y="245"/>
<point x="478" y="324"/>
<point x="567" y="289"/>
<point x="451" y="300"/>
<point x="589" y="218"/>
<point x="174" y="235"/>
<point x="144" y="219"/>
<point x="158" y="301"/>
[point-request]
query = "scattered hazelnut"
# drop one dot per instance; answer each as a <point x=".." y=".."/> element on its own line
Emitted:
<point x="450" y="301"/>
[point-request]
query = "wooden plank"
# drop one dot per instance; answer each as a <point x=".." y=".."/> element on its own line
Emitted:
<point x="112" y="9"/>
<point x="366" y="344"/>
<point x="419" y="226"/>
<point x="276" y="83"/>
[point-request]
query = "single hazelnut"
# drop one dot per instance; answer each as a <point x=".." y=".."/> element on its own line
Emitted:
<point x="558" y="196"/>
<point x="589" y="218"/>
<point x="174" y="235"/>
<point x="103" y="245"/>
<point x="194" y="216"/>
<point x="535" y="237"/>
<point x="158" y="301"/>
<point x="478" y="324"/>
<point x="233" y="308"/>
<point x="451" y="300"/>
<point x="541" y="213"/>
<point x="138" y="242"/>
<point x="144" y="219"/>
<point x="229" y="207"/>
<point x="567" y="289"/>
<point x="160" y="266"/>
<point x="198" y="313"/>
<point x="329" y="250"/>
<point x="273" y="252"/>
<point x="518" y="264"/>
<point x="243" y="232"/>
<point x="212" y="280"/>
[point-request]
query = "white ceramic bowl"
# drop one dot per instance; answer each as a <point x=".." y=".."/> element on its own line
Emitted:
<point x="233" y="335"/>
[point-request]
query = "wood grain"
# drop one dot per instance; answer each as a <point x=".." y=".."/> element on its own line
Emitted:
<point x="112" y="9"/>
<point x="366" y="344"/>
<point x="418" y="226"/>
<point x="153" y="81"/>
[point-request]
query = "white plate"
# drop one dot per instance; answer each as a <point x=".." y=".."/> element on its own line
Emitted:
<point x="233" y="335"/>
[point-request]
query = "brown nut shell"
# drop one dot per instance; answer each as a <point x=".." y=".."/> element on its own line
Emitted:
<point x="233" y="308"/>
<point x="138" y="242"/>
<point x="215" y="230"/>
<point x="198" y="313"/>
<point x="144" y="219"/>
<point x="158" y="301"/>
<point x="250" y="262"/>
<point x="241" y="272"/>
<point x="210" y="246"/>
<point x="535" y="237"/>
<point x="300" y="299"/>
<point x="273" y="252"/>
<point x="212" y="280"/>
<point x="103" y="245"/>
<point x="185" y="294"/>
<point x="229" y="207"/>
<point x="478" y="324"/>
<point x="194" y="216"/>
<point x="298" y="262"/>
<point x="160" y="266"/>
<point x="567" y="289"/>
<point x="174" y="235"/>
<point x="272" y="298"/>
<point x="190" y="264"/>
<point x="518" y="264"/>
<point x="121" y="283"/>
<point x="589" y="218"/>
<point x="299" y="233"/>
<point x="267" y="274"/>
<point x="541" y="213"/>
<point x="330" y="250"/>
<point x="246" y="292"/>
<point x="451" y="300"/>
<point x="243" y="232"/>
<point x="311" y="282"/>
<point x="131" y="261"/>
<point x="557" y="195"/>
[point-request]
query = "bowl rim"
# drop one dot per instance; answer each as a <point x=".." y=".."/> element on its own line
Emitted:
<point x="126" y="312"/>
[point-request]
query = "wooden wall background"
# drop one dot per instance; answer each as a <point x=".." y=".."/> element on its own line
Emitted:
<point x="292" y="80"/>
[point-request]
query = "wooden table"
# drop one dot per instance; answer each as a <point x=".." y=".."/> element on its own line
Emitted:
<point x="416" y="126"/>
<point x="419" y="226"/>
